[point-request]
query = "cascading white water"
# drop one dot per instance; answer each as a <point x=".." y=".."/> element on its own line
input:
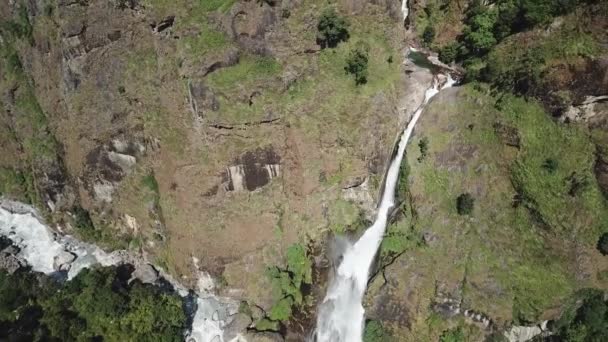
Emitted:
<point x="340" y="317"/>
<point x="404" y="9"/>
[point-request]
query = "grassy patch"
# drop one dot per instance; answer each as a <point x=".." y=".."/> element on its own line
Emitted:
<point x="249" y="70"/>
<point x="536" y="287"/>
<point x="15" y="184"/>
<point x="567" y="198"/>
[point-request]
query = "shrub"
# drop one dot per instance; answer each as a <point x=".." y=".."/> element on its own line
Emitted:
<point x="287" y="284"/>
<point x="550" y="165"/>
<point x="374" y="332"/>
<point x="602" y="244"/>
<point x="449" y="53"/>
<point x="465" y="203"/>
<point x="356" y="64"/>
<point x="423" y="145"/>
<point x="453" y="335"/>
<point x="429" y="34"/>
<point x="332" y="29"/>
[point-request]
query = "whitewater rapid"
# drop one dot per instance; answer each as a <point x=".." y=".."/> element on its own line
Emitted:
<point x="341" y="314"/>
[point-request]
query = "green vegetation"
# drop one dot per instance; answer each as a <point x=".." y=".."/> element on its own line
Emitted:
<point x="453" y="335"/>
<point x="448" y="53"/>
<point x="423" y="145"/>
<point x="97" y="304"/>
<point x="602" y="244"/>
<point x="287" y="287"/>
<point x="550" y="165"/>
<point x="100" y="234"/>
<point x="465" y="204"/>
<point x="17" y="185"/>
<point x="428" y="35"/>
<point x="332" y="29"/>
<point x="586" y="319"/>
<point x="489" y="51"/>
<point x="374" y="332"/>
<point x="356" y="64"/>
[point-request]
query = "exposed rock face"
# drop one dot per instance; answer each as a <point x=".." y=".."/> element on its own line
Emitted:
<point x="146" y="273"/>
<point x="9" y="261"/>
<point x="253" y="170"/>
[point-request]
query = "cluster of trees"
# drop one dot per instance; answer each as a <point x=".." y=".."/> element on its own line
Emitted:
<point x="486" y="25"/>
<point x="98" y="304"/>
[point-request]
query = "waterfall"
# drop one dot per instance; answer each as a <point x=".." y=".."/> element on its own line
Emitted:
<point x="405" y="10"/>
<point x="340" y="316"/>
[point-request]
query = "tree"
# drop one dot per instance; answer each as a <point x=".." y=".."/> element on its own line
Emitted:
<point x="449" y="53"/>
<point x="356" y="64"/>
<point x="478" y="34"/>
<point x="602" y="244"/>
<point x="538" y="11"/>
<point x="332" y="29"/>
<point x="464" y="204"/>
<point x="429" y="34"/>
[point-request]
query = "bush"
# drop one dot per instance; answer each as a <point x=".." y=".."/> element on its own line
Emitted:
<point x="550" y="165"/>
<point x="429" y="34"/>
<point x="332" y="29"/>
<point x="465" y="204"/>
<point x="449" y="53"/>
<point x="423" y="145"/>
<point x="287" y="284"/>
<point x="602" y="244"/>
<point x="453" y="335"/>
<point x="356" y="64"/>
<point x="374" y="332"/>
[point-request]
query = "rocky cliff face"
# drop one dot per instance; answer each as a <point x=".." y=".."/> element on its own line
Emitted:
<point x="210" y="131"/>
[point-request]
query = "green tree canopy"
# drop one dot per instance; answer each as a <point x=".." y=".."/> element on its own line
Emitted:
<point x="332" y="29"/>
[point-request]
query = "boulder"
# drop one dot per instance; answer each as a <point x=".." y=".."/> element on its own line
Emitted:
<point x="146" y="273"/>
<point x="63" y="261"/>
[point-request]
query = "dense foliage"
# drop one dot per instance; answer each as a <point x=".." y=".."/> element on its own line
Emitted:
<point x="287" y="287"/>
<point x="97" y="304"/>
<point x="464" y="204"/>
<point x="356" y="64"/>
<point x="486" y="25"/>
<point x="585" y="321"/>
<point x="332" y="29"/>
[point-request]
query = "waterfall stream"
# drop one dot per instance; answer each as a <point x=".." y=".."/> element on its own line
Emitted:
<point x="341" y="314"/>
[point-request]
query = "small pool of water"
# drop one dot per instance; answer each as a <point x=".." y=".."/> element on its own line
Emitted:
<point x="420" y="59"/>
